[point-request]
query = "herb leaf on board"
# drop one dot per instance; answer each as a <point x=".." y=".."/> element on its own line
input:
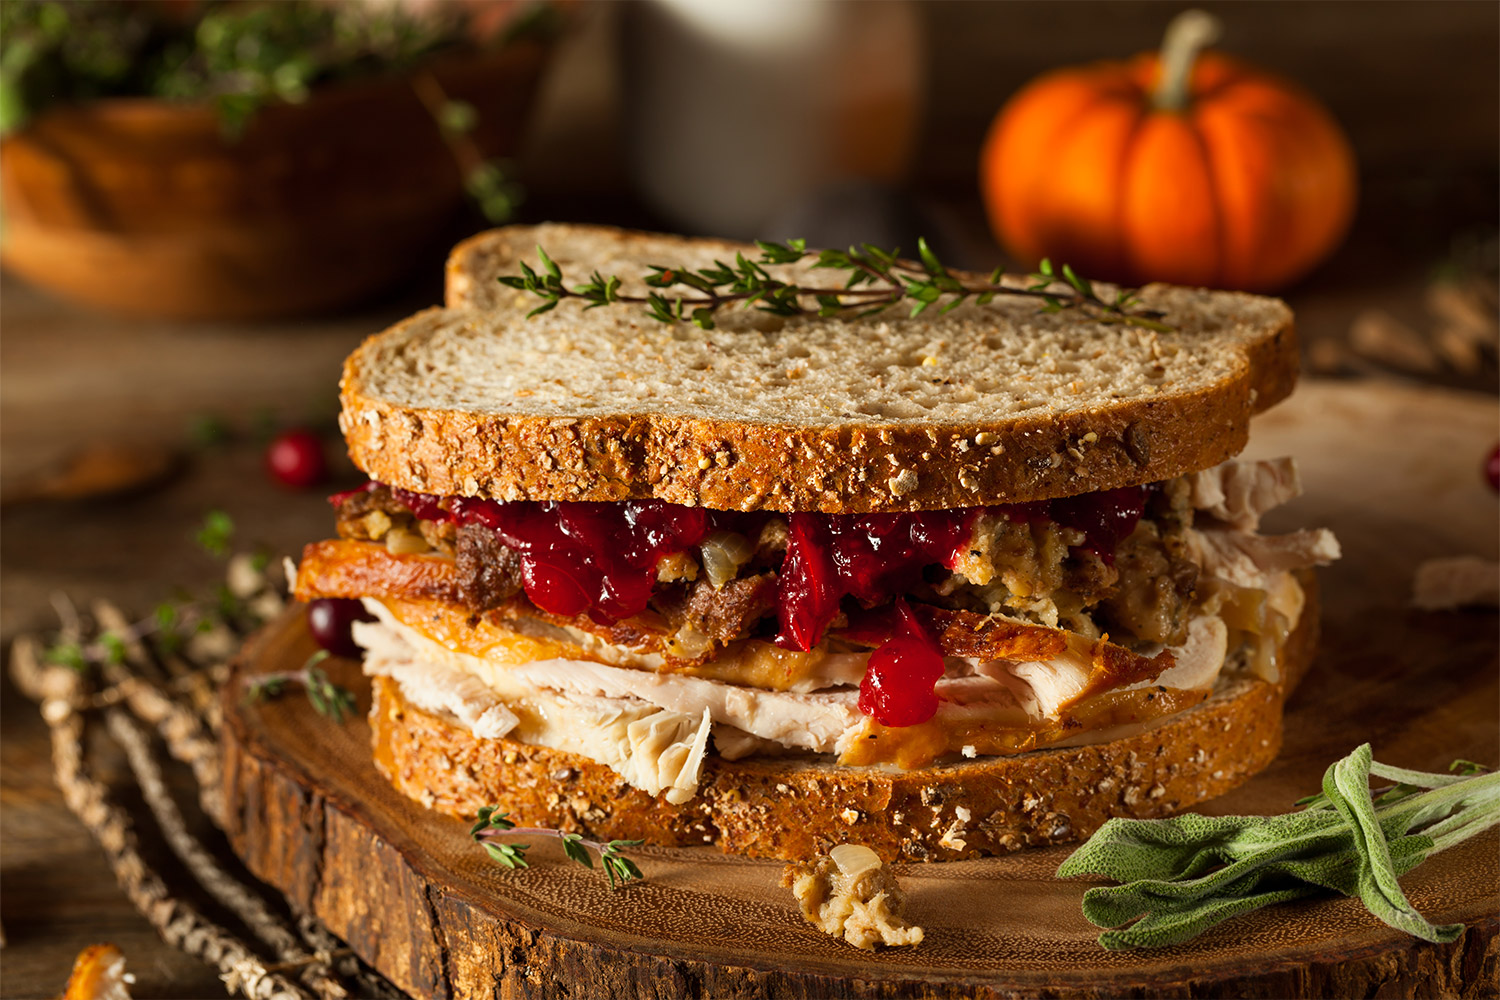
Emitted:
<point x="1183" y="875"/>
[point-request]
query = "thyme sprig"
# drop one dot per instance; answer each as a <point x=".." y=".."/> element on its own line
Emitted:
<point x="327" y="698"/>
<point x="492" y="825"/>
<point x="1185" y="874"/>
<point x="246" y="600"/>
<point x="876" y="280"/>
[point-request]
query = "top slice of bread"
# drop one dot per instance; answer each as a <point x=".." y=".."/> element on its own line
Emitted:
<point x="986" y="404"/>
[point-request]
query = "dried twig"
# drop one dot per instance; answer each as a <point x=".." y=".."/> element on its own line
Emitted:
<point x="184" y="732"/>
<point x="250" y="908"/>
<point x="176" y="695"/>
<point x="64" y="694"/>
<point x="371" y="984"/>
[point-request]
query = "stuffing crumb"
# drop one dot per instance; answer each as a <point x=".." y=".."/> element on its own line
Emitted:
<point x="849" y="893"/>
<point x="1456" y="582"/>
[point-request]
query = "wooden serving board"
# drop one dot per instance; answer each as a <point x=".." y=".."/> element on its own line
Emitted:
<point x="1395" y="472"/>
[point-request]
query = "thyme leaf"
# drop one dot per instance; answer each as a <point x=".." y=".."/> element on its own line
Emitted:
<point x="876" y="280"/>
<point x="327" y="698"/>
<point x="492" y="824"/>
<point x="216" y="533"/>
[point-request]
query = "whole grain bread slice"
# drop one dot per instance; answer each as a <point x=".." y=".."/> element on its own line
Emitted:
<point x="793" y="807"/>
<point x="986" y="404"/>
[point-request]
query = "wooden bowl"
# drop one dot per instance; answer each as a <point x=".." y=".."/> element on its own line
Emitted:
<point x="142" y="206"/>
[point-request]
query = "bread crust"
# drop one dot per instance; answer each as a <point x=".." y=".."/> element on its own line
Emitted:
<point x="793" y="807"/>
<point x="852" y="467"/>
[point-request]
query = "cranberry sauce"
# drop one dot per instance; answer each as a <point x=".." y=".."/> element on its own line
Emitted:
<point x="1106" y="518"/>
<point x="598" y="558"/>
<point x="897" y="689"/>
<point x="868" y="557"/>
<point x="601" y="559"/>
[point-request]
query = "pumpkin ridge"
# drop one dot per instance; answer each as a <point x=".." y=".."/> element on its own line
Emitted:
<point x="1018" y="219"/>
<point x="1293" y="130"/>
<point x="1113" y="261"/>
<point x="1121" y="170"/>
<point x="1221" y="237"/>
<point x="1105" y="96"/>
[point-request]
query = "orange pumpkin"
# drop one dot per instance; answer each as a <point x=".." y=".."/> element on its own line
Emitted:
<point x="1181" y="167"/>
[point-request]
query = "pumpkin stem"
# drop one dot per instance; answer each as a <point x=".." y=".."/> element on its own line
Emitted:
<point x="1186" y="36"/>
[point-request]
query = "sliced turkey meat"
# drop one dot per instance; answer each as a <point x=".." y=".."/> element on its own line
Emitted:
<point x="1239" y="493"/>
<point x="808" y="721"/>
<point x="655" y="750"/>
<point x="1250" y="560"/>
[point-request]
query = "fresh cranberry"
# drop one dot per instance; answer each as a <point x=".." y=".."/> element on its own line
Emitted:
<point x="295" y="459"/>
<point x="331" y="622"/>
<point x="897" y="689"/>
<point x="1492" y="469"/>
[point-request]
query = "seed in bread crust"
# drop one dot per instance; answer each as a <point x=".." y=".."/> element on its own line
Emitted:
<point x="951" y="838"/>
<point x="902" y="483"/>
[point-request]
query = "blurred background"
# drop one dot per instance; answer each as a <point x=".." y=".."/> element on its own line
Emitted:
<point x="205" y="206"/>
<point x="202" y="179"/>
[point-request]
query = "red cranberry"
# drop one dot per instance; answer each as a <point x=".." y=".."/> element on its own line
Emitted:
<point x="295" y="459"/>
<point x="1492" y="469"/>
<point x="897" y="689"/>
<point x="331" y="622"/>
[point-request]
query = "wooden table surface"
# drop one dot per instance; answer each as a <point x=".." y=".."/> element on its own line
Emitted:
<point x="69" y="378"/>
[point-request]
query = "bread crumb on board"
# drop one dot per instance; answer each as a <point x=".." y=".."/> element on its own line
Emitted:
<point x="1456" y="582"/>
<point x="849" y="893"/>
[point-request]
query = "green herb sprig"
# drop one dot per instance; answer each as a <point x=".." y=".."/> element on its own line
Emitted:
<point x="327" y="698"/>
<point x="240" y="608"/>
<point x="876" y="280"/>
<point x="493" y="824"/>
<point x="240" y="56"/>
<point x="216" y="534"/>
<point x="1185" y="874"/>
<point x="243" y="57"/>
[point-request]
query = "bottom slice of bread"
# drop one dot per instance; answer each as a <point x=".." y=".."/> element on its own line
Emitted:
<point x="792" y="807"/>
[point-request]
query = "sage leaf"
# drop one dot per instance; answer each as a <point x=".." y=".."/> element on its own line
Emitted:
<point x="1183" y="875"/>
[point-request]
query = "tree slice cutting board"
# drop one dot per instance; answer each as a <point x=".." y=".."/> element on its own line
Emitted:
<point x="1394" y="471"/>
